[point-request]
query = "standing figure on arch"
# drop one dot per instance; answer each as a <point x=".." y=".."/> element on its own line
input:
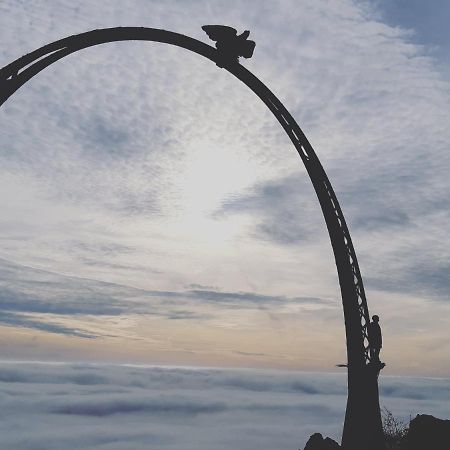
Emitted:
<point x="375" y="339"/>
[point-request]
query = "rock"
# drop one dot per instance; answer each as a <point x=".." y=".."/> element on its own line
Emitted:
<point x="330" y="444"/>
<point x="317" y="442"/>
<point x="427" y="432"/>
<point x="314" y="442"/>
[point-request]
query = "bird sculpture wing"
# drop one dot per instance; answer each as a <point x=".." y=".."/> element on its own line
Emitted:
<point x="219" y="32"/>
<point x="247" y="48"/>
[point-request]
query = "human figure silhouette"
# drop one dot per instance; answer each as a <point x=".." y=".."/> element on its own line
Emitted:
<point x="375" y="339"/>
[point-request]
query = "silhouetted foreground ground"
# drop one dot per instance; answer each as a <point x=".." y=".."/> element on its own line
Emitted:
<point x="424" y="433"/>
<point x="317" y="442"/>
<point x="427" y="432"/>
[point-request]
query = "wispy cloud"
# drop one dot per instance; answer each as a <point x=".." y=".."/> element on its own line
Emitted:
<point x="22" y="321"/>
<point x="27" y="291"/>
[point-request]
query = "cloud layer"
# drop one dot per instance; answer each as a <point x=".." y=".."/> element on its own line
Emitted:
<point x="79" y="406"/>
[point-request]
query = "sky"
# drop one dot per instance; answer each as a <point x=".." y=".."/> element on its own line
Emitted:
<point x="154" y="212"/>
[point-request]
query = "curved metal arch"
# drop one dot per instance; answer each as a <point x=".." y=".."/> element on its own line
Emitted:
<point x="356" y="314"/>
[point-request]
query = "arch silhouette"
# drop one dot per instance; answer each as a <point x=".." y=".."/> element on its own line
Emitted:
<point x="362" y="426"/>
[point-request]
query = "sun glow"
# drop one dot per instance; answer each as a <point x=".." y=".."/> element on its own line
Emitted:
<point x="213" y="175"/>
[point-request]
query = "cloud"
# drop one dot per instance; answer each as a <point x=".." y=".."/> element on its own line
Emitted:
<point x="107" y="406"/>
<point x="22" y="321"/>
<point x="283" y="209"/>
<point x="426" y="278"/>
<point x="37" y="299"/>
<point x="159" y="407"/>
<point x="140" y="164"/>
<point x="242" y="299"/>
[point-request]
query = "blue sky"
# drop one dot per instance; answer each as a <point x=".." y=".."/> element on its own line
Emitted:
<point x="427" y="21"/>
<point x="155" y="212"/>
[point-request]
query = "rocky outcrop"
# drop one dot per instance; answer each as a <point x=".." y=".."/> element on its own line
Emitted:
<point x="427" y="432"/>
<point x="317" y="442"/>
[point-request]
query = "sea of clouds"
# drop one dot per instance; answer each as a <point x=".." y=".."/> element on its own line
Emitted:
<point x="45" y="406"/>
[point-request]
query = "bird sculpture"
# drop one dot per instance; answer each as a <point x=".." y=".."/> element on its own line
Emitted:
<point x="229" y="44"/>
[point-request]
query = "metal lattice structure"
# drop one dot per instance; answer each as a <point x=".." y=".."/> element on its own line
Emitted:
<point x="362" y="427"/>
